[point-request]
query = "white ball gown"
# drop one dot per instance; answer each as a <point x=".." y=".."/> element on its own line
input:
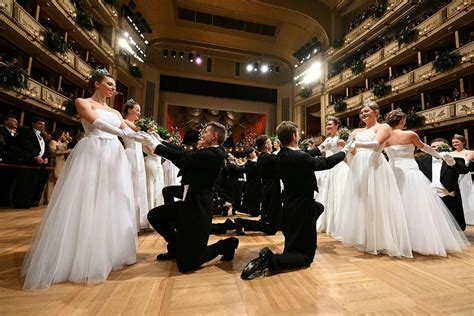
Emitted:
<point x="371" y="215"/>
<point x="466" y="187"/>
<point x="432" y="228"/>
<point x="331" y="189"/>
<point x="88" y="229"/>
<point x="154" y="180"/>
<point x="134" y="154"/>
<point x="171" y="174"/>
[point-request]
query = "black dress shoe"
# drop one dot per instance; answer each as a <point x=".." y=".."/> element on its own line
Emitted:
<point x="258" y="264"/>
<point x="229" y="224"/>
<point x="239" y="228"/>
<point x="165" y="256"/>
<point x="227" y="248"/>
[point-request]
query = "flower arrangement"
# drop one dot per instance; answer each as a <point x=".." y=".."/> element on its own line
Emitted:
<point x="381" y="89"/>
<point x="338" y="42"/>
<point x="163" y="132"/>
<point x="13" y="77"/>
<point x="146" y="123"/>
<point x="135" y="71"/>
<point x="177" y="140"/>
<point x="344" y="133"/>
<point x="414" y="120"/>
<point x="304" y="143"/>
<point x="305" y="92"/>
<point x="406" y="35"/>
<point x="85" y="20"/>
<point x="446" y="61"/>
<point x="340" y="106"/>
<point x="56" y="42"/>
<point x="444" y="148"/>
<point x="357" y="66"/>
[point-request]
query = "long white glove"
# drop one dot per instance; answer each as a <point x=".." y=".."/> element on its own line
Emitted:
<point x="430" y="151"/>
<point x="348" y="147"/>
<point x="448" y="159"/>
<point x="371" y="144"/>
<point x="108" y="128"/>
<point x="147" y="140"/>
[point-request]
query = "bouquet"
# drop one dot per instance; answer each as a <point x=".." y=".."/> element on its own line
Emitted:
<point x="344" y="133"/>
<point x="444" y="148"/>
<point x="145" y="124"/>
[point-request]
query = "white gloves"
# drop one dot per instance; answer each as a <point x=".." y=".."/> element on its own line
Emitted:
<point x="430" y="151"/>
<point x="349" y="146"/>
<point x="147" y="140"/>
<point x="448" y="159"/>
<point x="108" y="128"/>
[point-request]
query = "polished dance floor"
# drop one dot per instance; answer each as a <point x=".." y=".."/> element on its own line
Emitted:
<point x="341" y="281"/>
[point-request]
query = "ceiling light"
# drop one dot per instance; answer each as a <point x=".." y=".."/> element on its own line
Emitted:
<point x="264" y="69"/>
<point x="249" y="68"/>
<point x="198" y="59"/>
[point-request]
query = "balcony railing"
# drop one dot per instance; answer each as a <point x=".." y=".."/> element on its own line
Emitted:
<point x="425" y="29"/>
<point x="6" y="6"/>
<point x="453" y="110"/>
<point x="43" y="94"/>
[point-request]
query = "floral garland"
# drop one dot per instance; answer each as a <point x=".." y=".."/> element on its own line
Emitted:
<point x="414" y="120"/>
<point x="305" y="92"/>
<point x="357" y="66"/>
<point x="163" y="132"/>
<point x="56" y="42"/>
<point x="444" y="148"/>
<point x="340" y="106"/>
<point x="446" y="61"/>
<point x="13" y="77"/>
<point x="344" y="133"/>
<point x="135" y="71"/>
<point x="85" y="20"/>
<point x="145" y="123"/>
<point x="406" y="35"/>
<point x="381" y="89"/>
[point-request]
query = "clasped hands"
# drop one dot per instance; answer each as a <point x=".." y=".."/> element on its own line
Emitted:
<point x="151" y="139"/>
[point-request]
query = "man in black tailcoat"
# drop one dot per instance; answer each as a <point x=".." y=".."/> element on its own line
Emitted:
<point x="186" y="224"/>
<point x="300" y="211"/>
<point x="444" y="176"/>
<point x="7" y="150"/>
<point x="30" y="150"/>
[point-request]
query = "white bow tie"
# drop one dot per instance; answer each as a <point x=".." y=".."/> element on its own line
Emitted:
<point x="437" y="160"/>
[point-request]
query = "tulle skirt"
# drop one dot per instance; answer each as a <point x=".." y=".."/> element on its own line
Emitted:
<point x="371" y="216"/>
<point x="331" y="194"/>
<point x="88" y="229"/>
<point x="137" y="163"/>
<point x="154" y="180"/>
<point x="467" y="195"/>
<point x="432" y="228"/>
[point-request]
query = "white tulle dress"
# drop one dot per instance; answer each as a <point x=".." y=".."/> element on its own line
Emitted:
<point x="154" y="180"/>
<point x="331" y="189"/>
<point x="432" y="228"/>
<point x="88" y="229"/>
<point x="371" y="216"/>
<point x="467" y="196"/>
<point x="134" y="154"/>
<point x="171" y="174"/>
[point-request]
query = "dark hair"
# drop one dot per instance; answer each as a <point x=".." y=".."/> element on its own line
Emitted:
<point x="394" y="117"/>
<point x="37" y="119"/>
<point x="439" y="140"/>
<point x="260" y="141"/>
<point x="219" y="129"/>
<point x="248" y="151"/>
<point x="97" y="76"/>
<point x="460" y="138"/>
<point x="285" y="131"/>
<point x="334" y="119"/>
<point x="127" y="106"/>
<point x="56" y="134"/>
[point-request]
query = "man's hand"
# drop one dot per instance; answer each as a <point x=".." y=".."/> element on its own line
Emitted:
<point x="39" y="160"/>
<point x="45" y="161"/>
<point x="145" y="139"/>
<point x="340" y="143"/>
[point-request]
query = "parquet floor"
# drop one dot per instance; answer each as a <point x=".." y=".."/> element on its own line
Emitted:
<point x="341" y="281"/>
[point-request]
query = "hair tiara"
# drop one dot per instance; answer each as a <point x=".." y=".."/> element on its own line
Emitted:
<point x="130" y="102"/>
<point x="102" y="72"/>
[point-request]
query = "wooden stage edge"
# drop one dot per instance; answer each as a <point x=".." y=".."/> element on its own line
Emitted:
<point x="341" y="281"/>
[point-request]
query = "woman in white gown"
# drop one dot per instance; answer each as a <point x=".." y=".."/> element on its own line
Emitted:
<point x="134" y="152"/>
<point x="88" y="229"/>
<point x="432" y="228"/>
<point x="154" y="180"/>
<point x="331" y="189"/>
<point x="465" y="181"/>
<point x="372" y="217"/>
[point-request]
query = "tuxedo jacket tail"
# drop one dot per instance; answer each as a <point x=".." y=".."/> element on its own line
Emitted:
<point x="271" y="191"/>
<point x="449" y="177"/>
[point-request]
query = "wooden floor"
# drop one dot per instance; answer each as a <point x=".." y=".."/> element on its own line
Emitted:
<point x="340" y="281"/>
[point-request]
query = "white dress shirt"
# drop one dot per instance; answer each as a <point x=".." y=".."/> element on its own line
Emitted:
<point x="436" y="184"/>
<point x="41" y="142"/>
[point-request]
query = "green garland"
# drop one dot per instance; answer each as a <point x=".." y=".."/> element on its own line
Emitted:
<point x="379" y="10"/>
<point x="357" y="66"/>
<point x="444" y="148"/>
<point x="414" y="120"/>
<point x="56" y="42"/>
<point x="135" y="71"/>
<point x="85" y="21"/>
<point x="305" y="92"/>
<point x="163" y="132"/>
<point x="304" y="143"/>
<point x="70" y="106"/>
<point x="338" y="42"/>
<point x="12" y="77"/>
<point x="344" y="133"/>
<point x="406" y="35"/>
<point x="381" y="89"/>
<point x="340" y="106"/>
<point x="446" y="61"/>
